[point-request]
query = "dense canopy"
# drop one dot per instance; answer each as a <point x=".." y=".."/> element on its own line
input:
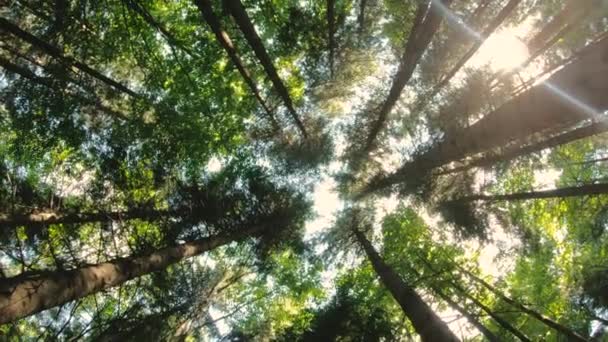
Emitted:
<point x="301" y="170"/>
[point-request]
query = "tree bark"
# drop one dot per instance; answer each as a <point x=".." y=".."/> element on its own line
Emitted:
<point x="427" y="324"/>
<point x="571" y="335"/>
<point x="518" y="151"/>
<point x="574" y="191"/>
<point x="241" y="18"/>
<point x="571" y="95"/>
<point x="53" y="51"/>
<point x="426" y="23"/>
<point x="24" y="296"/>
<point x="222" y="37"/>
<point x="361" y="17"/>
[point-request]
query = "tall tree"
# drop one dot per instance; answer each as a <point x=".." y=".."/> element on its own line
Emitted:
<point x="571" y="95"/>
<point x="242" y="20"/>
<point x="427" y="324"/>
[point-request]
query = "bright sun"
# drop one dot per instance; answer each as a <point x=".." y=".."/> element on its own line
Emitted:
<point x="502" y="51"/>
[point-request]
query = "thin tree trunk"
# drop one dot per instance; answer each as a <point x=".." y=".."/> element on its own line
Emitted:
<point x="242" y="20"/>
<point x="222" y="37"/>
<point x="574" y="191"/>
<point x="331" y="20"/>
<point x="571" y="335"/>
<point x="54" y="217"/>
<point x="27" y="74"/>
<point x="502" y="15"/>
<point x="592" y="161"/>
<point x="517" y="151"/>
<point x="426" y="23"/>
<point x="53" y="51"/>
<point x="138" y="8"/>
<point x="490" y="336"/>
<point x="361" y="17"/>
<point x="427" y="324"/>
<point x="24" y="296"/>
<point x="501" y="321"/>
<point x="571" y="95"/>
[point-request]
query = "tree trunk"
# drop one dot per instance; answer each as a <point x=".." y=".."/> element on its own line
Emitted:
<point x="426" y="23"/>
<point x="501" y="321"/>
<point x="427" y="324"/>
<point x="222" y="37"/>
<point x="502" y="15"/>
<point x="53" y="217"/>
<point x="571" y="95"/>
<point x="511" y="153"/>
<point x="242" y="20"/>
<point x="574" y="191"/>
<point x="53" y="51"/>
<point x="331" y="45"/>
<point x="361" y="17"/>
<point x="571" y="335"/>
<point x="23" y="296"/>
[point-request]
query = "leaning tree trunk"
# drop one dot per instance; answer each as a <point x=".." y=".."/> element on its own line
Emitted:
<point x="22" y="296"/>
<point x="55" y="52"/>
<point x="573" y="191"/>
<point x="571" y="335"/>
<point x="427" y="324"/>
<point x="242" y="20"/>
<point x="571" y="95"/>
<point x="511" y="153"/>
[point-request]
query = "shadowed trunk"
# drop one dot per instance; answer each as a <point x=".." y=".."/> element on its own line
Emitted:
<point x="222" y="37"/>
<point x="331" y="44"/>
<point x="511" y="153"/>
<point x="53" y="51"/>
<point x="54" y="217"/>
<point x="426" y="323"/>
<point x="573" y="94"/>
<point x="246" y="26"/>
<point x="571" y="335"/>
<point x="361" y="17"/>
<point x="22" y="296"/>
<point x="574" y="191"/>
<point x="426" y="23"/>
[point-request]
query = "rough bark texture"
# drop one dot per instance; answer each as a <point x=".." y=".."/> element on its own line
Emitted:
<point x="571" y="335"/>
<point x="246" y="26"/>
<point x="574" y="191"/>
<point x="53" y="51"/>
<point x="222" y="37"/>
<point x="426" y="323"/>
<point x="573" y="94"/>
<point x="22" y="296"/>
<point x="518" y="151"/>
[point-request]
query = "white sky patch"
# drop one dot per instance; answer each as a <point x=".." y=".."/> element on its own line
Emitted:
<point x="546" y="179"/>
<point x="326" y="204"/>
<point x="214" y="165"/>
<point x="502" y="51"/>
